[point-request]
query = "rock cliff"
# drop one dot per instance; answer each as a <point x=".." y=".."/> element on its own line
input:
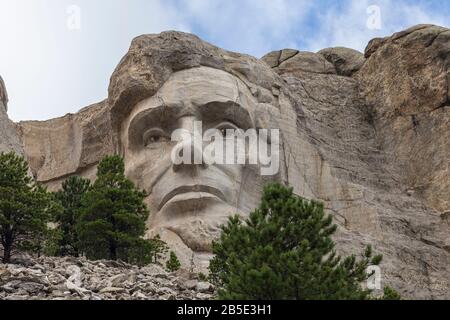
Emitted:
<point x="9" y="138"/>
<point x="368" y="134"/>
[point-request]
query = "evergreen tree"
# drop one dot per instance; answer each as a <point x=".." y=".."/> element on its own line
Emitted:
<point x="146" y="251"/>
<point x="70" y="197"/>
<point x="25" y="208"/>
<point x="284" y="250"/>
<point x="50" y="245"/>
<point x="112" y="220"/>
<point x="173" y="264"/>
<point x="157" y="249"/>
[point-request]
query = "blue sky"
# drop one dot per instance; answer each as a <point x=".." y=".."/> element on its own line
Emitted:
<point x="51" y="67"/>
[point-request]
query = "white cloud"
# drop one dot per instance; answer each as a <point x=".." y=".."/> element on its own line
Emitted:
<point x="348" y="27"/>
<point x="249" y="26"/>
<point x="50" y="70"/>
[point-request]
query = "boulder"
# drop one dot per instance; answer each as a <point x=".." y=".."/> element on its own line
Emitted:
<point x="204" y="287"/>
<point x="293" y="62"/>
<point x="346" y="61"/>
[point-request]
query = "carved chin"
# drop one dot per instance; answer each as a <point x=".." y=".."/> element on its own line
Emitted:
<point x="197" y="234"/>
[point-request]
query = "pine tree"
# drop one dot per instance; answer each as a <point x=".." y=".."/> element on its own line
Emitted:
<point x="112" y="220"/>
<point x="70" y="197"/>
<point x="173" y="264"/>
<point x="25" y="208"/>
<point x="284" y="250"/>
<point x="147" y="251"/>
<point x="157" y="249"/>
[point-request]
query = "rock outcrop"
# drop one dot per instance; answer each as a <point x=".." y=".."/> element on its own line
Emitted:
<point x="9" y="139"/>
<point x="406" y="85"/>
<point x="368" y="135"/>
<point x="3" y="95"/>
<point x="346" y="61"/>
<point x="297" y="62"/>
<point x="69" y="145"/>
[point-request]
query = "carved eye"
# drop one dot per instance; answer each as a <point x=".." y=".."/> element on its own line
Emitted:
<point x="154" y="139"/>
<point x="223" y="131"/>
<point x="227" y="129"/>
<point x="155" y="136"/>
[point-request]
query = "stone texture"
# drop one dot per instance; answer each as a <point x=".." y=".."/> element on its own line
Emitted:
<point x="346" y="61"/>
<point x="3" y="95"/>
<point x="407" y="88"/>
<point x="79" y="279"/>
<point x="9" y="139"/>
<point x="298" y="62"/>
<point x="374" y="147"/>
<point x="275" y="58"/>
<point x="73" y="144"/>
<point x="151" y="60"/>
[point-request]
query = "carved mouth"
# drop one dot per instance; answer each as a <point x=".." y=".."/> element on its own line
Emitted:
<point x="194" y="189"/>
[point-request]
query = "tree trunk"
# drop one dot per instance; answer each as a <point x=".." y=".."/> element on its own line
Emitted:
<point x="6" y="254"/>
<point x="7" y="243"/>
<point x="112" y="251"/>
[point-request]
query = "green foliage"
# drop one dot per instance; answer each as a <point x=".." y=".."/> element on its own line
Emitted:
<point x="112" y="218"/>
<point x="70" y="197"/>
<point x="390" y="294"/>
<point x="173" y="264"/>
<point x="202" y="277"/>
<point x="284" y="250"/>
<point x="25" y="208"/>
<point x="157" y="249"/>
<point x="146" y="251"/>
<point x="51" y="243"/>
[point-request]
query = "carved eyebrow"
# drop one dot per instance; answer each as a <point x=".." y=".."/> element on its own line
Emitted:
<point x="228" y="112"/>
<point x="226" y="123"/>
<point x="153" y="117"/>
<point x="145" y="120"/>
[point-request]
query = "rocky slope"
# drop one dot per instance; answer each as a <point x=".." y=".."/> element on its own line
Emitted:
<point x="368" y="134"/>
<point x="79" y="279"/>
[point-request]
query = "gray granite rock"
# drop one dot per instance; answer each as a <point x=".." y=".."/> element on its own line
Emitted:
<point x="368" y="137"/>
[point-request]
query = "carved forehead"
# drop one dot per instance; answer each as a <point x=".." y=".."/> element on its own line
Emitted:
<point x="198" y="87"/>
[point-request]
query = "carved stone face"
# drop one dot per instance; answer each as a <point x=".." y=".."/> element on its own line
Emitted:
<point x="189" y="202"/>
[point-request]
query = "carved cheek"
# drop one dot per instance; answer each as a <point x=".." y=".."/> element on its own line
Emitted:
<point x="146" y="166"/>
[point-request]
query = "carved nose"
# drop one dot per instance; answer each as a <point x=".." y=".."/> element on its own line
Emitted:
<point x="191" y="155"/>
